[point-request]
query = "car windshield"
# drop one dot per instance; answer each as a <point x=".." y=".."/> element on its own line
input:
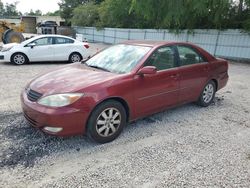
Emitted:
<point x="28" y="40"/>
<point x="119" y="58"/>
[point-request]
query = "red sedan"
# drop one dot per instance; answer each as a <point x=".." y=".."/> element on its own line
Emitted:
<point x="131" y="80"/>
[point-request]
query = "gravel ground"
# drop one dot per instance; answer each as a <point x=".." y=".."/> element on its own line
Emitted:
<point x="188" y="146"/>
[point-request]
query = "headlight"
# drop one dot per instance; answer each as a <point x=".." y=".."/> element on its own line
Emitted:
<point x="60" y="100"/>
<point x="5" y="49"/>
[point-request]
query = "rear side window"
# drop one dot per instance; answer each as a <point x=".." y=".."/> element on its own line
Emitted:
<point x="163" y="58"/>
<point x="60" y="40"/>
<point x="189" y="56"/>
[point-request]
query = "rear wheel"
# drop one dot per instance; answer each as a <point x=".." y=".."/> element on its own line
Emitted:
<point x="207" y="94"/>
<point x="106" y="121"/>
<point x="75" y="57"/>
<point x="19" y="59"/>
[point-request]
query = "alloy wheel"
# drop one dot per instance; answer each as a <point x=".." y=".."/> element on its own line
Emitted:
<point x="108" y="122"/>
<point x="19" y="59"/>
<point x="75" y="58"/>
<point x="208" y="93"/>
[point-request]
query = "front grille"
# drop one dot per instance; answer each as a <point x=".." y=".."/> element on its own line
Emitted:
<point x="33" y="95"/>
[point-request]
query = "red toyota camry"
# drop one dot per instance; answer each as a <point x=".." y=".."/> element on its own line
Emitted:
<point x="131" y="80"/>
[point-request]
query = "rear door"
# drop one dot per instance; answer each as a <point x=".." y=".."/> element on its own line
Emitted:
<point x="63" y="47"/>
<point x="157" y="91"/>
<point x="194" y="72"/>
<point x="42" y="51"/>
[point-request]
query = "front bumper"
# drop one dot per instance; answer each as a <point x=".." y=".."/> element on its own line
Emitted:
<point x="4" y="57"/>
<point x="71" y="120"/>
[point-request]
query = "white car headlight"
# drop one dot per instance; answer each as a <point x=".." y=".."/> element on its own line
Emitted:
<point x="5" y="49"/>
<point x="59" y="100"/>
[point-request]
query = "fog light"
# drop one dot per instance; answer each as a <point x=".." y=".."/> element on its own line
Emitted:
<point x="53" y="129"/>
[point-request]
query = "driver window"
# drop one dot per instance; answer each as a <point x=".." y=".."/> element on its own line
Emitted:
<point x="163" y="58"/>
<point x="43" y="41"/>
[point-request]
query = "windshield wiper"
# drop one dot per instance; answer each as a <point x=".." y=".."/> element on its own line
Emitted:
<point x="97" y="67"/>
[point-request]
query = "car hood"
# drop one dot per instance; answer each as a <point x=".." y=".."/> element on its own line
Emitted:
<point x="73" y="78"/>
<point x="8" y="46"/>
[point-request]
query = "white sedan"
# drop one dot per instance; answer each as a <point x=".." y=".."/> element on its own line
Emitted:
<point x="45" y="48"/>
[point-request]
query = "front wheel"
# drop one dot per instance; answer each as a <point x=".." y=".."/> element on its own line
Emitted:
<point x="207" y="94"/>
<point x="19" y="59"/>
<point x="106" y="121"/>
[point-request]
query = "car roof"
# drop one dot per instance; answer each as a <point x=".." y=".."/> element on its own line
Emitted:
<point x="41" y="36"/>
<point x="51" y="35"/>
<point x="156" y="44"/>
<point x="150" y="43"/>
<point x="153" y="43"/>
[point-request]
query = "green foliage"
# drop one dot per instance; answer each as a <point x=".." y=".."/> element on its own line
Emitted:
<point x="115" y="13"/>
<point x="1" y="8"/>
<point x="8" y="9"/>
<point x="86" y="15"/>
<point x="67" y="7"/>
<point x="164" y="14"/>
<point x="182" y="14"/>
<point x="36" y="13"/>
<point x="110" y="13"/>
<point x="56" y="13"/>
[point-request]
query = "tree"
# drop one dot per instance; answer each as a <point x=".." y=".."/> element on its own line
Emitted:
<point x="164" y="14"/>
<point x="56" y="13"/>
<point x="1" y="8"/>
<point x="239" y="15"/>
<point x="244" y="14"/>
<point x="115" y="13"/>
<point x="36" y="13"/>
<point x="10" y="10"/>
<point x="86" y="15"/>
<point x="179" y="14"/>
<point x="67" y="7"/>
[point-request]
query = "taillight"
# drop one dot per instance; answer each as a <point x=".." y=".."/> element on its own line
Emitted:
<point x="86" y="46"/>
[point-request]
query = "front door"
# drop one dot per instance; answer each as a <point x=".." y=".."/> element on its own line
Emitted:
<point x="42" y="51"/>
<point x="158" y="91"/>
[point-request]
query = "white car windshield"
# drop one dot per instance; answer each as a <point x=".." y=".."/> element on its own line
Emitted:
<point x="119" y="58"/>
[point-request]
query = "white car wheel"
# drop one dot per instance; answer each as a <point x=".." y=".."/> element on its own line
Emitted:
<point x="19" y="59"/>
<point x="75" y="57"/>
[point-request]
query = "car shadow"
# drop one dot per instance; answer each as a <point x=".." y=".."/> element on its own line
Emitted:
<point x="24" y="145"/>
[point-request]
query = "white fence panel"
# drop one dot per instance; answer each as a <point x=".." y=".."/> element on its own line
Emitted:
<point x="109" y="36"/>
<point x="136" y="34"/>
<point x="228" y="43"/>
<point x="152" y="34"/>
<point x="99" y="35"/>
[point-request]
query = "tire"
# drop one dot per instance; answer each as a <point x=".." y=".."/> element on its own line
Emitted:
<point x="19" y="59"/>
<point x="207" y="94"/>
<point x="75" y="57"/>
<point x="11" y="36"/>
<point x="103" y="127"/>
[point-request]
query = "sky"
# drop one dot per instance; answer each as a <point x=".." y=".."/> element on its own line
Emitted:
<point x="43" y="5"/>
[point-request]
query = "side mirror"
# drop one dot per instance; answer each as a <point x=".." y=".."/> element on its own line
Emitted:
<point x="147" y="70"/>
<point x="31" y="45"/>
